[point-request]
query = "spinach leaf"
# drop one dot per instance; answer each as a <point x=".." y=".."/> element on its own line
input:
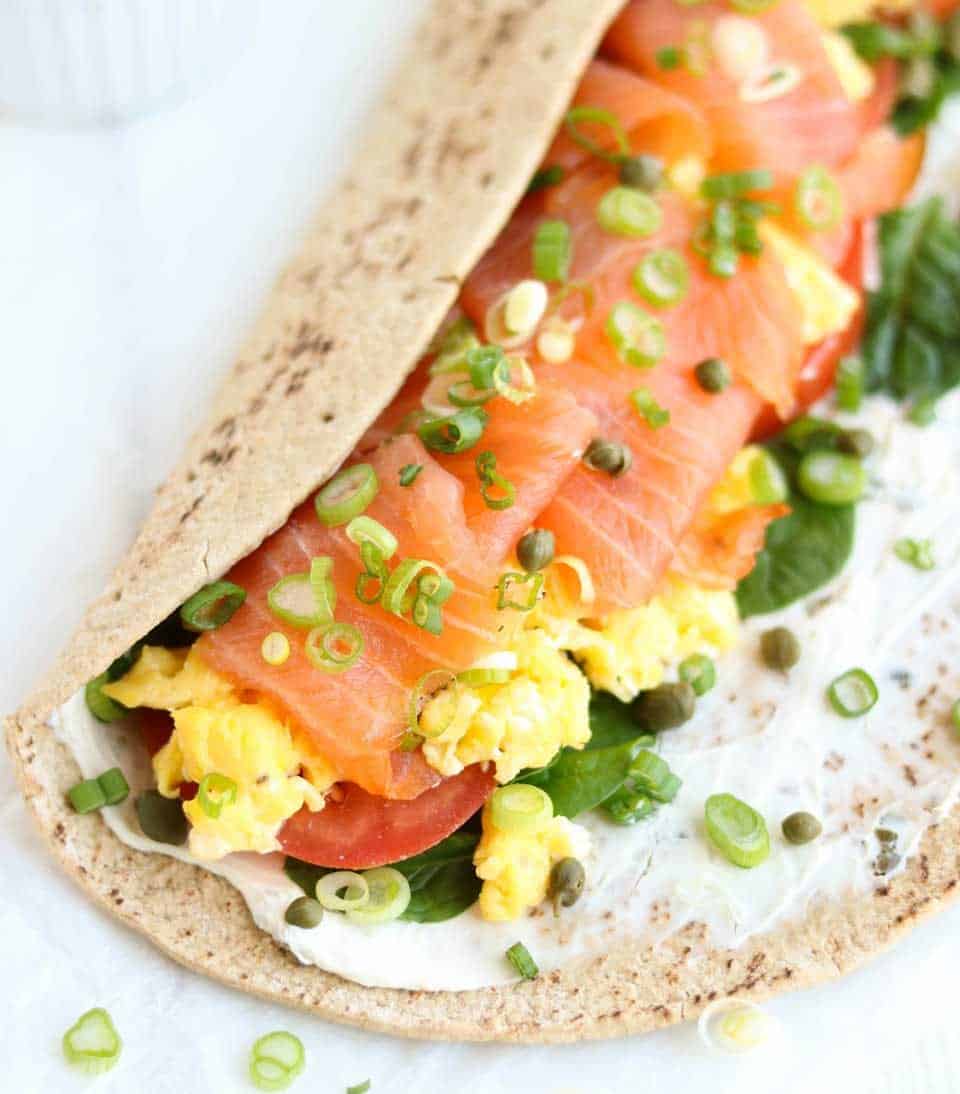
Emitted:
<point x="911" y="347"/>
<point x="611" y="722"/>
<point x="581" y="780"/>
<point x="304" y="874"/>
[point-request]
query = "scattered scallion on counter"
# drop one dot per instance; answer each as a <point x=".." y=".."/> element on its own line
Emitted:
<point x="519" y="956"/>
<point x="346" y="495"/>
<point x="276" y="1059"/>
<point x="916" y="552"/>
<point x="853" y="693"/>
<point x="409" y="472"/>
<point x="212" y="606"/>
<point x="738" y="831"/>
<point x="92" y="1044"/>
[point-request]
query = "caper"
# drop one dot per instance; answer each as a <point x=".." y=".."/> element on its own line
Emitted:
<point x="886" y="835"/>
<point x="664" y="707"/>
<point x="885" y="861"/>
<point x="628" y="806"/>
<point x="535" y="550"/>
<point x="304" y="912"/>
<point x="566" y="883"/>
<point x="952" y="36"/>
<point x="162" y="819"/>
<point x="856" y="442"/>
<point x="779" y="648"/>
<point x="642" y="172"/>
<point x="610" y="456"/>
<point x="801" y="827"/>
<point x="918" y="78"/>
<point x="713" y="375"/>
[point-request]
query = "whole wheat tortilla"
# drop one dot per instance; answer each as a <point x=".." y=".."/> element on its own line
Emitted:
<point x="465" y="123"/>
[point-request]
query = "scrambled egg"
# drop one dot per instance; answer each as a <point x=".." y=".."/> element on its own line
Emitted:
<point x="834" y="13"/>
<point x="735" y="490"/>
<point x="515" y="867"/>
<point x="215" y="731"/>
<point x="827" y="303"/>
<point x="521" y="723"/>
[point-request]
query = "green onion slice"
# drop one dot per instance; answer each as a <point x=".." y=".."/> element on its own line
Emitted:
<point x="668" y="57"/>
<point x="651" y="775"/>
<point x="519" y="807"/>
<point x="552" y="251"/>
<point x="346" y="495"/>
<point x="638" y="337"/>
<point x="114" y="785"/>
<point x="353" y="887"/>
<point x="490" y="481"/>
<point x="362" y="530"/>
<point x="101" y="706"/>
<point x="92" y="1043"/>
<point x="293" y="599"/>
<point x="625" y="211"/>
<point x="507" y="584"/>
<point x="323" y="588"/>
<point x="503" y="381"/>
<point x="212" y="606"/>
<point x="818" y="199"/>
<point x="916" y="552"/>
<point x="214" y="792"/>
<point x="519" y="956"/>
<point x="481" y="678"/>
<point x="87" y="796"/>
<point x="955" y="716"/>
<point x="431" y="685"/>
<point x="484" y="363"/>
<point x="455" y="432"/>
<point x="853" y="693"/>
<point x="831" y="478"/>
<point x="276" y="1059"/>
<point x="752" y="7"/>
<point x="334" y="647"/>
<point x="662" y="277"/>
<point x="374" y="577"/>
<point x="596" y="115"/>
<point x="388" y="894"/>
<point x="463" y="393"/>
<point x="546" y="177"/>
<point x="423" y="600"/>
<point x="652" y="412"/>
<point x="699" y="672"/>
<point x="735" y="184"/>
<point x="850" y="382"/>
<point x="736" y="830"/>
<point x="768" y="483"/>
<point x="409" y="472"/>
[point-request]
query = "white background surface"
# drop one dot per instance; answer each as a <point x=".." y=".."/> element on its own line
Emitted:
<point x="131" y="262"/>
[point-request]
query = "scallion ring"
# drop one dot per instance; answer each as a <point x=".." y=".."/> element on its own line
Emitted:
<point x="388" y="896"/>
<point x="352" y="885"/>
<point x="736" y="830"/>
<point x="323" y="588"/>
<point x="276" y="1059"/>
<point x="101" y="706"/>
<point x="831" y="478"/>
<point x="637" y="336"/>
<point x="506" y="586"/>
<point x="454" y="433"/>
<point x="818" y="199"/>
<point x="520" y="808"/>
<point x="624" y="211"/>
<point x="484" y="677"/>
<point x="92" y="1044"/>
<point x="497" y="492"/>
<point x="524" y="965"/>
<point x="768" y="483"/>
<point x="430" y="688"/>
<point x="214" y="792"/>
<point x="662" y="277"/>
<point x="373" y="580"/>
<point x="424" y="600"/>
<point x="292" y="599"/>
<point x="362" y="530"/>
<point x="212" y="606"/>
<point x="334" y="647"/>
<point x="595" y="115"/>
<point x="552" y="251"/>
<point x="916" y="552"/>
<point x="735" y="184"/>
<point x="650" y="410"/>
<point x="346" y="495"/>
<point x="853" y="693"/>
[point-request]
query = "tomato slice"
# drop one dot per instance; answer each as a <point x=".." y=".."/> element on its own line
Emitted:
<point x="363" y="830"/>
<point x="820" y="366"/>
<point x="155" y="728"/>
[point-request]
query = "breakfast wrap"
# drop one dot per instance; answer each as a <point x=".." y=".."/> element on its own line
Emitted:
<point x="552" y="632"/>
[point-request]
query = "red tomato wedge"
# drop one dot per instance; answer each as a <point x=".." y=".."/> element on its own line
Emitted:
<point x="363" y="830"/>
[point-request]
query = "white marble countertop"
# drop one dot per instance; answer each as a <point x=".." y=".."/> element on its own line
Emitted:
<point x="132" y="260"/>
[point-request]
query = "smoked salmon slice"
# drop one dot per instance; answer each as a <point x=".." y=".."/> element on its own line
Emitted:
<point x="718" y="552"/>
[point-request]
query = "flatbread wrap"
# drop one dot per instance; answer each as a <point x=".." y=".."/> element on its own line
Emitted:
<point x="520" y="637"/>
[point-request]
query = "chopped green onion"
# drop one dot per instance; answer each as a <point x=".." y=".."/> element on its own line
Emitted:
<point x="388" y="894"/>
<point x="276" y="1059"/>
<point x="490" y="480"/>
<point x="917" y="552"/>
<point x="768" y="483"/>
<point x="323" y="588"/>
<point x="597" y="116"/>
<point x="359" y="1088"/>
<point x="609" y="456"/>
<point x="853" y="693"/>
<point x="626" y="211"/>
<point x="114" y="785"/>
<point x="505" y="587"/>
<point x="484" y="363"/>
<point x="346" y="495"/>
<point x="519" y="956"/>
<point x="652" y="412"/>
<point x="818" y="199"/>
<point x="334" y="647"/>
<point x="101" y="706"/>
<point x="520" y="808"/>
<point x="662" y="277"/>
<point x="627" y="806"/>
<point x="275" y="648"/>
<point x="454" y="433"/>
<point x="955" y="716"/>
<point x="851" y="378"/>
<point x="552" y="250"/>
<point x="735" y="184"/>
<point x="642" y="172"/>
<point x="545" y="177"/>
<point x="362" y="530"/>
<point x="356" y="891"/>
<point x="481" y="678"/>
<point x="162" y="819"/>
<point x="459" y="339"/>
<point x="651" y="775"/>
<point x="427" y="688"/>
<point x="293" y="599"/>
<point x="713" y="375"/>
<point x="536" y="549"/>
<point x="214" y="792"/>
<point x="409" y="472"/>
<point x="831" y="478"/>
<point x="752" y="7"/>
<point x="463" y="393"/>
<point x="87" y="796"/>
<point x="212" y="606"/>
<point x="92" y="1043"/>
<point x="699" y="672"/>
<point x="736" y="830"/>
<point x="373" y="579"/>
<point x="668" y="58"/>
<point x="425" y="600"/>
<point x="638" y="337"/>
